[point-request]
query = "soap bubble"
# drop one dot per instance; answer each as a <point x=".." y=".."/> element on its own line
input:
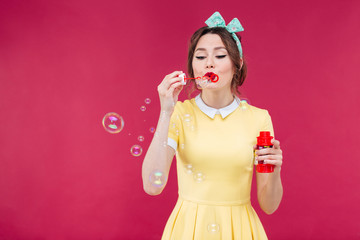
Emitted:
<point x="157" y="178"/>
<point x="141" y="138"/>
<point x="152" y="129"/>
<point x="136" y="150"/>
<point x="113" y="122"/>
<point x="245" y="100"/>
<point x="244" y="104"/>
<point x="189" y="169"/>
<point x="199" y="177"/>
<point x="143" y="108"/>
<point x="147" y="100"/>
<point x="202" y="82"/>
<point x="213" y="228"/>
<point x="187" y="117"/>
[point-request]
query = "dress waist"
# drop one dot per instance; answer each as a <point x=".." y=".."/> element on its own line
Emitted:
<point x="219" y="203"/>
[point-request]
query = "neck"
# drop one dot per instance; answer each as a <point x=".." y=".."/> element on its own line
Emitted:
<point x="217" y="100"/>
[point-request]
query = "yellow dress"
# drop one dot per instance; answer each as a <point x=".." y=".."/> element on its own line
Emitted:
<point x="215" y="160"/>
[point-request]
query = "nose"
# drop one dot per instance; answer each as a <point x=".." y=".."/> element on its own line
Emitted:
<point x="210" y="63"/>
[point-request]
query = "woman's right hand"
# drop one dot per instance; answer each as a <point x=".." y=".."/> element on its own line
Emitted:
<point x="169" y="90"/>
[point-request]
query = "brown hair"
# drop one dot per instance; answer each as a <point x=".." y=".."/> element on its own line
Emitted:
<point x="230" y="45"/>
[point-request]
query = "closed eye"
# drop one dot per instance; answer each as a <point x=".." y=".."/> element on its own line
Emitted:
<point x="202" y="57"/>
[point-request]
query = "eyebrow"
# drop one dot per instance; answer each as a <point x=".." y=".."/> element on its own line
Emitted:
<point x="204" y="49"/>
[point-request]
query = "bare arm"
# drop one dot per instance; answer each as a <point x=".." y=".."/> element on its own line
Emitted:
<point x="270" y="191"/>
<point x="159" y="155"/>
<point x="269" y="186"/>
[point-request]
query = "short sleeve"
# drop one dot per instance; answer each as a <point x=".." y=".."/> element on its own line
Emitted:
<point x="174" y="128"/>
<point x="267" y="125"/>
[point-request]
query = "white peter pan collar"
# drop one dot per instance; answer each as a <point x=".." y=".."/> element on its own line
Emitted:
<point x="224" y="112"/>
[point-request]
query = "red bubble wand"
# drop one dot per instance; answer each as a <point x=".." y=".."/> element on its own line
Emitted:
<point x="210" y="76"/>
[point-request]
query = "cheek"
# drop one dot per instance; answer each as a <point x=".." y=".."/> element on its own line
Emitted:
<point x="229" y="67"/>
<point x="227" y="73"/>
<point x="196" y="68"/>
<point x="227" y="70"/>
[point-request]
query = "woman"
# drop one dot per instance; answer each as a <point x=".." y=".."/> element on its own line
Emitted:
<point x="213" y="136"/>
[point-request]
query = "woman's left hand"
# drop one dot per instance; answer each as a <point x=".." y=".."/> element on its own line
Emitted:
<point x="270" y="155"/>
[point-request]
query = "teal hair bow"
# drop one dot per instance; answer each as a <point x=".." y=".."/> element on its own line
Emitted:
<point x="216" y="20"/>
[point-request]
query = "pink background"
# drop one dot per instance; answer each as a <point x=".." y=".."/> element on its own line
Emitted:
<point x="65" y="64"/>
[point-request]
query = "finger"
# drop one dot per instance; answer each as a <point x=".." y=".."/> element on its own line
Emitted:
<point x="273" y="162"/>
<point x="167" y="83"/>
<point x="169" y="76"/>
<point x="268" y="151"/>
<point x="276" y="143"/>
<point x="175" y="80"/>
<point x="269" y="157"/>
<point x="172" y="88"/>
<point x="178" y="90"/>
<point x="177" y="93"/>
<point x="174" y="74"/>
<point x="265" y="151"/>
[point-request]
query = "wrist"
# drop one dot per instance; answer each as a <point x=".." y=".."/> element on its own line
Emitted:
<point x="277" y="169"/>
<point x="166" y="113"/>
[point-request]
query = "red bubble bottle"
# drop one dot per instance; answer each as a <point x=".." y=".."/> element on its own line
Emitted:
<point x="264" y="141"/>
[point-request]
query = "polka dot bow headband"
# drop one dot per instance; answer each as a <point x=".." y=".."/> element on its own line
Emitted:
<point x="216" y="20"/>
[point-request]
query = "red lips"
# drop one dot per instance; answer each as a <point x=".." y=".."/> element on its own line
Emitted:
<point x="212" y="76"/>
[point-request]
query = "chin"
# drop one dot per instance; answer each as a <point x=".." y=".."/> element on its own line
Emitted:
<point x="210" y="86"/>
<point x="217" y="85"/>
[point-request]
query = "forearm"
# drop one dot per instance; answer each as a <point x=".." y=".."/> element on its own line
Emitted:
<point x="156" y="157"/>
<point x="271" y="194"/>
